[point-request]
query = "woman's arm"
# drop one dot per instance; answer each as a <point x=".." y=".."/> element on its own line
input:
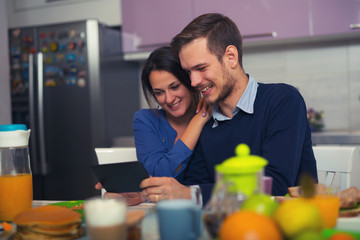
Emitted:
<point x="193" y="130"/>
<point x="155" y="148"/>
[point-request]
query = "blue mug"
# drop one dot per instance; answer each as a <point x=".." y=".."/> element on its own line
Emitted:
<point x="179" y="219"/>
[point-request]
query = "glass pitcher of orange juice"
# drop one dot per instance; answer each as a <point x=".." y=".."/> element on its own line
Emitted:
<point x="16" y="191"/>
<point x="237" y="178"/>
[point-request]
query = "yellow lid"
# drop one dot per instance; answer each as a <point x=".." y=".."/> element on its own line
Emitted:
<point x="242" y="170"/>
<point x="243" y="162"/>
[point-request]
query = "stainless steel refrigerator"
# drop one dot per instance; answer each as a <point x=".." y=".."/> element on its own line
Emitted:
<point x="70" y="86"/>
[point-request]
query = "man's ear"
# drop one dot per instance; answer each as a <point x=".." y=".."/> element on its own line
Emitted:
<point x="231" y="56"/>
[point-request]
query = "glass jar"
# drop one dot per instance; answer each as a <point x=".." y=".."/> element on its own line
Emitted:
<point x="15" y="173"/>
<point x="237" y="178"/>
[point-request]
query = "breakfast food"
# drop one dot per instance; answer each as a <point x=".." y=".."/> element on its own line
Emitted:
<point x="349" y="198"/>
<point x="350" y="202"/>
<point x="297" y="190"/>
<point x="133" y="219"/>
<point x="48" y="222"/>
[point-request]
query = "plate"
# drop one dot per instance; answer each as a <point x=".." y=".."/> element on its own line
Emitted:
<point x="76" y="206"/>
<point x="349" y="224"/>
<point x="327" y="233"/>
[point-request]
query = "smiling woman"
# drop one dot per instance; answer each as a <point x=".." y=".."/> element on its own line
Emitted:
<point x="165" y="136"/>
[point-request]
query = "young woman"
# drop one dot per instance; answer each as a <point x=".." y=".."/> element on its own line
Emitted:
<point x="167" y="133"/>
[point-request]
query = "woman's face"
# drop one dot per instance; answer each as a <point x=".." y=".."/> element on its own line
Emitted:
<point x="170" y="93"/>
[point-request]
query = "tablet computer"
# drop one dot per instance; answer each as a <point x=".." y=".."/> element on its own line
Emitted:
<point x="120" y="177"/>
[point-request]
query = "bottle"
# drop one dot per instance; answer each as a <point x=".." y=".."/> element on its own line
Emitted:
<point x="15" y="172"/>
<point x="237" y="178"/>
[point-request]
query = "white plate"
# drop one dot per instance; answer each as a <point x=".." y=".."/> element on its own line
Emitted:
<point x="348" y="224"/>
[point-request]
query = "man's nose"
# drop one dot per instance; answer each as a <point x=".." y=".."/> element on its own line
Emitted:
<point x="195" y="79"/>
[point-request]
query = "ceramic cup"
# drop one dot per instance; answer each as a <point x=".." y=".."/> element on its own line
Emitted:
<point x="106" y="218"/>
<point x="179" y="220"/>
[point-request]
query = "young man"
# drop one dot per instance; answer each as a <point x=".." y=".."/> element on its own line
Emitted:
<point x="270" y="118"/>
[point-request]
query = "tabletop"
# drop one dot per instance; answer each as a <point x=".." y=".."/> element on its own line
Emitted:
<point x="149" y="225"/>
<point x="150" y="230"/>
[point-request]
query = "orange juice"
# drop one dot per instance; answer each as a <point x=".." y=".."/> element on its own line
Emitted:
<point x="329" y="207"/>
<point x="16" y="195"/>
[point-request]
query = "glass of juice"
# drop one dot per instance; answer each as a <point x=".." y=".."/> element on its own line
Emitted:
<point x="329" y="207"/>
<point x="15" y="172"/>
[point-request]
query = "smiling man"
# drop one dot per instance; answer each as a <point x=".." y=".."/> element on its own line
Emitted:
<point x="270" y="118"/>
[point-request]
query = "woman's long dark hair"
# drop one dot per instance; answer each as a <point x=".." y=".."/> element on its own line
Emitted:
<point x="163" y="59"/>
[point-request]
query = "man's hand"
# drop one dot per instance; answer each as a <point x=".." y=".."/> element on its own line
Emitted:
<point x="159" y="188"/>
<point x="134" y="198"/>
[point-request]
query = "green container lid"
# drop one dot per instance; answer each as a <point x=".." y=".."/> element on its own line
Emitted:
<point x="242" y="170"/>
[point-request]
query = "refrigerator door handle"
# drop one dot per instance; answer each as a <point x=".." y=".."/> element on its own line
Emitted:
<point x="41" y="113"/>
<point x="35" y="163"/>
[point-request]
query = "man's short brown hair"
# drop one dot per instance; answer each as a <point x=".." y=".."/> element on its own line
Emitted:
<point x="219" y="30"/>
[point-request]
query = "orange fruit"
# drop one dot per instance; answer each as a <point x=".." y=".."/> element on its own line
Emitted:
<point x="246" y="225"/>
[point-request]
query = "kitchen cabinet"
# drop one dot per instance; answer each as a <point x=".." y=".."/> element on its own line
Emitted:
<point x="150" y="24"/>
<point x="24" y="13"/>
<point x="335" y="16"/>
<point x="260" y="20"/>
<point x="145" y="27"/>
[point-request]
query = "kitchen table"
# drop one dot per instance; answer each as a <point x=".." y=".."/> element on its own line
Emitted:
<point x="149" y="225"/>
<point x="149" y="229"/>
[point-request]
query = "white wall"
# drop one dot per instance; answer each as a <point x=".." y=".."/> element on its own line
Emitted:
<point x="5" y="114"/>
<point x="37" y="12"/>
<point x="327" y="75"/>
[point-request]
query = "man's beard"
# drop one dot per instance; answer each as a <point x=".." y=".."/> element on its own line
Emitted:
<point x="226" y="89"/>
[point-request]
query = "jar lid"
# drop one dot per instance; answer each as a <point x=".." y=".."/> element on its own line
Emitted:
<point x="12" y="127"/>
<point x="14" y="135"/>
<point x="243" y="162"/>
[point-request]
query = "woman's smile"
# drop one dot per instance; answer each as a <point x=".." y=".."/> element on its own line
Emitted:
<point x="175" y="105"/>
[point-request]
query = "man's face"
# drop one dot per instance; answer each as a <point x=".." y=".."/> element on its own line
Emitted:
<point x="207" y="73"/>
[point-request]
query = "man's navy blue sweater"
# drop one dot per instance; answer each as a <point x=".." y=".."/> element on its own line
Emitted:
<point x="278" y="130"/>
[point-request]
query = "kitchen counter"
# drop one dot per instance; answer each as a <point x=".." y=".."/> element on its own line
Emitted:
<point x="336" y="137"/>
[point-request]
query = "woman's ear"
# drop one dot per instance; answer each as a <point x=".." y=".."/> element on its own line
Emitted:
<point x="231" y="56"/>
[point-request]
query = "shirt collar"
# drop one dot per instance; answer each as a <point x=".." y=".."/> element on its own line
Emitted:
<point x="245" y="103"/>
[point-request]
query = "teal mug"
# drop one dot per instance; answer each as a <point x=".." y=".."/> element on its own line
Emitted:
<point x="179" y="219"/>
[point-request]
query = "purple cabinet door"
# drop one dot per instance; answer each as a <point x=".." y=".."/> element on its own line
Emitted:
<point x="148" y="24"/>
<point x="257" y="19"/>
<point x="335" y="16"/>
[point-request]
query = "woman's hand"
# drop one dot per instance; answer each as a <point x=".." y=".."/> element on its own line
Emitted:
<point x="194" y="128"/>
<point x="98" y="186"/>
<point x="203" y="108"/>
